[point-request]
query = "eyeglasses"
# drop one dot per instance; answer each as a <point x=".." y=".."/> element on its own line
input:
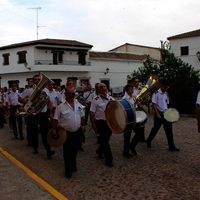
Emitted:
<point x="71" y="93"/>
<point x="136" y="81"/>
<point x="36" y="79"/>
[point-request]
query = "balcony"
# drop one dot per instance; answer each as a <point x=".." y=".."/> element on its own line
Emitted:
<point x="50" y="62"/>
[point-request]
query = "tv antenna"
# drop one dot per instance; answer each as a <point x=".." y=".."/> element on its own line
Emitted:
<point x="37" y="8"/>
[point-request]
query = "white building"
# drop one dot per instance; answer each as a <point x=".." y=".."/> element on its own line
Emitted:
<point x="138" y="49"/>
<point x="64" y="59"/>
<point x="186" y="46"/>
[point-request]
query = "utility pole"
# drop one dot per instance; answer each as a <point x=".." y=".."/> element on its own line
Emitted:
<point x="37" y="8"/>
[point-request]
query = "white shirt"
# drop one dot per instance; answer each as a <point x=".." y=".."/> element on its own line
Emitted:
<point x="136" y="91"/>
<point x="55" y="97"/>
<point x="26" y="93"/>
<point x="161" y="100"/>
<point x="88" y="96"/>
<point x="198" y="98"/>
<point x="131" y="99"/>
<point x="68" y="118"/>
<point x="12" y="98"/>
<point x="98" y="106"/>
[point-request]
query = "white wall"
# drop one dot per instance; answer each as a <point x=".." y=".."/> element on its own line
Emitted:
<point x="194" y="46"/>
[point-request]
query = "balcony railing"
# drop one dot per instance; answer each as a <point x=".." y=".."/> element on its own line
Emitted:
<point x="50" y="62"/>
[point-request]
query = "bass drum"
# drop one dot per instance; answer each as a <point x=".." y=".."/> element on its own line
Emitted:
<point x="171" y="115"/>
<point x="120" y="116"/>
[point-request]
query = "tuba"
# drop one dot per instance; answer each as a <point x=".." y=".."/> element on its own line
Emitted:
<point x="38" y="99"/>
<point x="144" y="95"/>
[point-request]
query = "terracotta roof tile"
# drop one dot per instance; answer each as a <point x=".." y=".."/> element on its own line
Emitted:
<point x="185" y="35"/>
<point x="49" y="42"/>
<point x="116" y="56"/>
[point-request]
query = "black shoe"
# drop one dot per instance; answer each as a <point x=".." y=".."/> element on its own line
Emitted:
<point x="15" y="137"/>
<point x="127" y="155"/>
<point x="174" y="149"/>
<point x="142" y="140"/>
<point x="133" y="151"/>
<point x="74" y="169"/>
<point x="149" y="144"/>
<point x="110" y="164"/>
<point x="21" y="138"/>
<point x="50" y="153"/>
<point x="100" y="155"/>
<point x="81" y="149"/>
<point x="35" y="152"/>
<point x="68" y="174"/>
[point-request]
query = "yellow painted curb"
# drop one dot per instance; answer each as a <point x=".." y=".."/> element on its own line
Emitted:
<point x="43" y="183"/>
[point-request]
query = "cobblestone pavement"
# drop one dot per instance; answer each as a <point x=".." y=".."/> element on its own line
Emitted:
<point x="155" y="173"/>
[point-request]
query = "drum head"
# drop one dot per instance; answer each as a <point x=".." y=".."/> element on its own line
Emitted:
<point x="171" y="115"/>
<point x="56" y="142"/>
<point x="117" y="117"/>
<point x="140" y="116"/>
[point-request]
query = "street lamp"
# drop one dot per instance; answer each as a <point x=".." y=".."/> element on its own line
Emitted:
<point x="198" y="55"/>
<point x="107" y="70"/>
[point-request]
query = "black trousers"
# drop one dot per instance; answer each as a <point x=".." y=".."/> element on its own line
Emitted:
<point x="32" y="123"/>
<point x="2" y="119"/>
<point x="158" y="122"/>
<point x="87" y="110"/>
<point x="70" y="150"/>
<point x="104" y="146"/>
<point x="136" y="138"/>
<point x="16" y="122"/>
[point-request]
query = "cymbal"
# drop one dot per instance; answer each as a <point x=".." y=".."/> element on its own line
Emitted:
<point x="57" y="142"/>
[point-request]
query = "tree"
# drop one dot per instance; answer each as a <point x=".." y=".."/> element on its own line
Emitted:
<point x="183" y="78"/>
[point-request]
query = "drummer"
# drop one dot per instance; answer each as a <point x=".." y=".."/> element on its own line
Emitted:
<point x="127" y="135"/>
<point x="160" y="101"/>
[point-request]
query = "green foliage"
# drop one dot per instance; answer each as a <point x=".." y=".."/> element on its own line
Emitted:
<point x="183" y="78"/>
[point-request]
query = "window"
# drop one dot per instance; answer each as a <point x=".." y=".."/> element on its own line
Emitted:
<point x="6" y="58"/>
<point x="184" y="50"/>
<point x="81" y="57"/>
<point x="57" y="57"/>
<point x="21" y="56"/>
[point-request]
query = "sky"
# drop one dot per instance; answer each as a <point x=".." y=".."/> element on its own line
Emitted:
<point x="105" y="24"/>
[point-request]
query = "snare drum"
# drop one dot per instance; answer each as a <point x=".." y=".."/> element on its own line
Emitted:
<point x="120" y="116"/>
<point x="141" y="119"/>
<point x="171" y="115"/>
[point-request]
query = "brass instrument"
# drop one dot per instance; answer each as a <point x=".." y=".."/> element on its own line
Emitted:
<point x="144" y="95"/>
<point x="38" y="99"/>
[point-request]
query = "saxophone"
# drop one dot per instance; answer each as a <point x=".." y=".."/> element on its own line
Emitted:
<point x="38" y="99"/>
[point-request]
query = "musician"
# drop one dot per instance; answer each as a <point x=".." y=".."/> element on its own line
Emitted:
<point x="2" y="120"/>
<point x="55" y="96"/>
<point x="160" y="101"/>
<point x="41" y="119"/>
<point x="198" y="111"/>
<point x="88" y="98"/>
<point x="70" y="116"/>
<point x="99" y="124"/>
<point x="136" y="91"/>
<point x="127" y="135"/>
<point x="93" y="95"/>
<point x="13" y="106"/>
<point x="69" y="83"/>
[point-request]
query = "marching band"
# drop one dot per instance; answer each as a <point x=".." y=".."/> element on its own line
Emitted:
<point x="61" y="116"/>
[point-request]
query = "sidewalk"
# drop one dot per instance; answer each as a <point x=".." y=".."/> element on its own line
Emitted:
<point x="16" y="184"/>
